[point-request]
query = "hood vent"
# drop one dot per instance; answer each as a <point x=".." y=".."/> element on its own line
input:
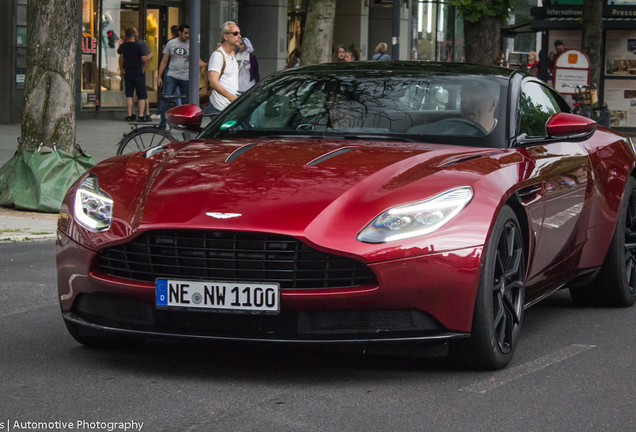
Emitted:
<point x="238" y="152"/>
<point x="330" y="155"/>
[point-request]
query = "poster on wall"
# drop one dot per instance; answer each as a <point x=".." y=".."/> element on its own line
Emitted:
<point x="620" y="52"/>
<point x="620" y="96"/>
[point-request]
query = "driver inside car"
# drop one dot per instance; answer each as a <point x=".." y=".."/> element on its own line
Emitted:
<point x="478" y="104"/>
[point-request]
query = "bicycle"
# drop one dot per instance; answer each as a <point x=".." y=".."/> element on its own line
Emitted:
<point x="586" y="104"/>
<point x="143" y="135"/>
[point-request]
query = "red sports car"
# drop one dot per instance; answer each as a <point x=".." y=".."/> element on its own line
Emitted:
<point x="367" y="202"/>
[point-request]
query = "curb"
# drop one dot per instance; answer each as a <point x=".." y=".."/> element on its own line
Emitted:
<point x="5" y="238"/>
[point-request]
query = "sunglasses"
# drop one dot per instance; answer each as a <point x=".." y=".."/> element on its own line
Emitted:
<point x="236" y="33"/>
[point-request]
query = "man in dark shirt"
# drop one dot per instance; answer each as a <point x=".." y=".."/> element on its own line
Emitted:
<point x="131" y="62"/>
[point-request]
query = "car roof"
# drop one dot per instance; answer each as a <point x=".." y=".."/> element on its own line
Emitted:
<point x="408" y="66"/>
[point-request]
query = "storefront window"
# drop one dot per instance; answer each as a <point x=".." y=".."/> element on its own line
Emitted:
<point x="296" y="15"/>
<point x="89" y="53"/>
<point x="438" y="32"/>
<point x="156" y="38"/>
<point x="117" y="16"/>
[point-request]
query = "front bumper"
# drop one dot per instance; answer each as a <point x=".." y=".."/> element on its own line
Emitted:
<point x="429" y="297"/>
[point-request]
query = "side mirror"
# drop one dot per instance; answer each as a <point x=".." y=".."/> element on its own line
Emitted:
<point x="570" y="127"/>
<point x="186" y="118"/>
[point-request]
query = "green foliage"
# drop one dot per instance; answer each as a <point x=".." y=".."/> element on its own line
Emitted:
<point x="474" y="10"/>
<point x="533" y="117"/>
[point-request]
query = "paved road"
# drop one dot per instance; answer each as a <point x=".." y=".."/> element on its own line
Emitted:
<point x="574" y="370"/>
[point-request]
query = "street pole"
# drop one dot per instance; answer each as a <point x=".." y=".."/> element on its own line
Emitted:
<point x="395" y="50"/>
<point x="195" y="50"/>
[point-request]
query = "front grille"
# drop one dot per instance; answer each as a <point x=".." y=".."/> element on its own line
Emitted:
<point x="231" y="256"/>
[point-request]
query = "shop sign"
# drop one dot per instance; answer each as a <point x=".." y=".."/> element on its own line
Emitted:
<point x="20" y="74"/>
<point x="567" y="12"/>
<point x="89" y="45"/>
<point x="571" y="69"/>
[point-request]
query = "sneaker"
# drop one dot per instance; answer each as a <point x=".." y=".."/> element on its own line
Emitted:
<point x="131" y="118"/>
<point x="141" y="119"/>
<point x="148" y="118"/>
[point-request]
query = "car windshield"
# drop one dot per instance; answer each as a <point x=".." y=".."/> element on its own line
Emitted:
<point x="444" y="108"/>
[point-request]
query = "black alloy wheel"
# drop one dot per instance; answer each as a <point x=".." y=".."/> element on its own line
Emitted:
<point x="498" y="313"/>
<point x="630" y="243"/>
<point x="508" y="287"/>
<point x="615" y="284"/>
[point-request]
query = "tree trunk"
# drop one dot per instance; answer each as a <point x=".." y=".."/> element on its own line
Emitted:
<point x="318" y="32"/>
<point x="482" y="40"/>
<point x="592" y="43"/>
<point x="48" y="113"/>
<point x="46" y="164"/>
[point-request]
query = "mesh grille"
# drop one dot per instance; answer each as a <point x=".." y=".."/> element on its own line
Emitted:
<point x="231" y="256"/>
<point x="110" y="311"/>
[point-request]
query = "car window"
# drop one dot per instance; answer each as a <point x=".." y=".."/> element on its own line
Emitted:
<point x="434" y="108"/>
<point x="536" y="106"/>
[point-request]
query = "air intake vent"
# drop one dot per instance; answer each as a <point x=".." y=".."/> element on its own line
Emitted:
<point x="231" y="256"/>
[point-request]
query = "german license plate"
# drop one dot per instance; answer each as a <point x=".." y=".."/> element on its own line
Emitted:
<point x="218" y="295"/>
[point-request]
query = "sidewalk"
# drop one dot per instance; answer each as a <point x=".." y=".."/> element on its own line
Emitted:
<point x="98" y="138"/>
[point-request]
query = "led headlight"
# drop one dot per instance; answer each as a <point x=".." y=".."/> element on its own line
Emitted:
<point x="93" y="207"/>
<point x="418" y="218"/>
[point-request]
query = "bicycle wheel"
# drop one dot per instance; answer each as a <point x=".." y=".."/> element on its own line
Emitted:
<point x="144" y="138"/>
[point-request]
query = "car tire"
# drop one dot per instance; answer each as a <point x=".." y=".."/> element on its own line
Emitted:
<point x="99" y="339"/>
<point x="498" y="313"/>
<point x="615" y="285"/>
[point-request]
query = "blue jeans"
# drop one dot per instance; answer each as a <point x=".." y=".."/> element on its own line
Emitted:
<point x="170" y="86"/>
<point x="211" y="109"/>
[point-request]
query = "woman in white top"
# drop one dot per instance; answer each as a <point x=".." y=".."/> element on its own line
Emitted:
<point x="248" y="65"/>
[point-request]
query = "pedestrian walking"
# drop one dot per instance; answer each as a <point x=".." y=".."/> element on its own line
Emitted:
<point x="146" y="50"/>
<point x="248" y="65"/>
<point x="223" y="71"/>
<point x="131" y="63"/>
<point x="381" y="54"/>
<point x="177" y="51"/>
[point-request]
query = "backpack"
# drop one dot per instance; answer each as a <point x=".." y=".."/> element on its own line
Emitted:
<point x="204" y="82"/>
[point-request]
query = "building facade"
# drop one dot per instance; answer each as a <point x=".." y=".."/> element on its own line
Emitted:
<point x="429" y="30"/>
<point x="560" y="20"/>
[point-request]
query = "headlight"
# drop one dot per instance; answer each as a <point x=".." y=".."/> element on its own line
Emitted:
<point x="93" y="207"/>
<point x="418" y="218"/>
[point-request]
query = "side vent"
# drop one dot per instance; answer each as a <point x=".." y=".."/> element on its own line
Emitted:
<point x="238" y="152"/>
<point x="330" y="155"/>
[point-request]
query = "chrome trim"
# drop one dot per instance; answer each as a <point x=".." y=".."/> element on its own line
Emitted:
<point x="238" y="152"/>
<point x="331" y="154"/>
<point x="69" y="316"/>
<point x="70" y="284"/>
<point x="223" y="215"/>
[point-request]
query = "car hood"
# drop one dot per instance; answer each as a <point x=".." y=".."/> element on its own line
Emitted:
<point x="282" y="185"/>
